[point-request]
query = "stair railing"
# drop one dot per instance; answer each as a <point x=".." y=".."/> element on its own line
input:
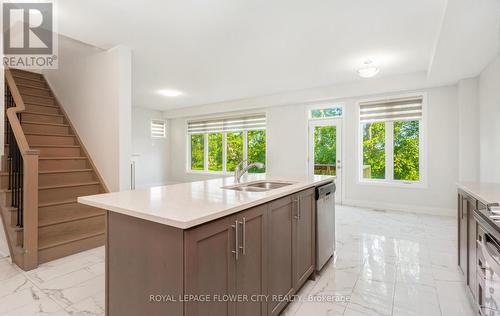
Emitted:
<point x="23" y="175"/>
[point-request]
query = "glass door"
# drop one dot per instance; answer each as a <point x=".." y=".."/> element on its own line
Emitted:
<point x="325" y="151"/>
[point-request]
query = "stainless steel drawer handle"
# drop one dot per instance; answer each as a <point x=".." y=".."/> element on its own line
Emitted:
<point x="243" y="247"/>
<point x="297" y="215"/>
<point x="299" y="209"/>
<point x="236" y="243"/>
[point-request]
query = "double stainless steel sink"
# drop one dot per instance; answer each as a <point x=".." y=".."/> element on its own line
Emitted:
<point x="258" y="186"/>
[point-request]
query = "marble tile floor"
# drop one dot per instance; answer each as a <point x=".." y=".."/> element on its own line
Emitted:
<point x="388" y="263"/>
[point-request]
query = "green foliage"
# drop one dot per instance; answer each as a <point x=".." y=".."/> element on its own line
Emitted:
<point x="328" y="112"/>
<point x="257" y="149"/>
<point x="374" y="150"/>
<point x="325" y="150"/>
<point x="234" y="150"/>
<point x="215" y="152"/>
<point x="406" y="150"/>
<point x="197" y="146"/>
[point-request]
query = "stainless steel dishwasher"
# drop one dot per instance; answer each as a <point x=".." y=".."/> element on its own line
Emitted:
<point x="325" y="224"/>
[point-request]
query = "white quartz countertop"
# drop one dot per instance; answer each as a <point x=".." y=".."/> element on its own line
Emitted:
<point x="185" y="205"/>
<point x="487" y="193"/>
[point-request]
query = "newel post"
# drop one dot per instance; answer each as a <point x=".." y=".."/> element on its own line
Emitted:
<point x="30" y="201"/>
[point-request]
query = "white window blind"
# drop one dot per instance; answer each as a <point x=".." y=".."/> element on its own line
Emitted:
<point x="404" y="109"/>
<point x="233" y="124"/>
<point x="158" y="129"/>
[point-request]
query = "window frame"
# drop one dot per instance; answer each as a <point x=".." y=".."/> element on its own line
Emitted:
<point x="164" y="122"/>
<point x="389" y="147"/>
<point x="325" y="105"/>
<point x="224" y="171"/>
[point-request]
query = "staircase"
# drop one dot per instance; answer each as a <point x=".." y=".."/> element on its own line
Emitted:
<point x="57" y="170"/>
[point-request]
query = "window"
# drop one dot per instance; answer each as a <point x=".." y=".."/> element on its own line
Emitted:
<point x="197" y="152"/>
<point x="326" y="112"/>
<point x="218" y="145"/>
<point x="158" y="129"/>
<point x="391" y="140"/>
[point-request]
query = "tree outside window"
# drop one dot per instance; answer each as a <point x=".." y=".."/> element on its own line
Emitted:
<point x="405" y="150"/>
<point x="197" y="152"/>
<point x="235" y="153"/>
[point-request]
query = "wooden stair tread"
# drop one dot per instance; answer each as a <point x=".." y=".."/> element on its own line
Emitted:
<point x="69" y="217"/>
<point x="36" y="96"/>
<point x="62" y="158"/>
<point x="56" y="171"/>
<point x="43" y="123"/>
<point x="17" y="75"/>
<point x="62" y="202"/>
<point x="49" y="134"/>
<point x="65" y="171"/>
<point x="32" y="87"/>
<point x="71" y="185"/>
<point x="56" y="146"/>
<point x="60" y="186"/>
<point x="51" y="146"/>
<point x="45" y="243"/>
<point x="41" y="113"/>
<point x="42" y="104"/>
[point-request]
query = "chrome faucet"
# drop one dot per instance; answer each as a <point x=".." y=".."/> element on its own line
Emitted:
<point x="238" y="172"/>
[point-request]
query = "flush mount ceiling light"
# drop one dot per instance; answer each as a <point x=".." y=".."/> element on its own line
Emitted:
<point x="170" y="93"/>
<point x="368" y="70"/>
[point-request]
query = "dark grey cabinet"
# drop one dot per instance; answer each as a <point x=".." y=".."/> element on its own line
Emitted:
<point x="467" y="239"/>
<point x="210" y="267"/>
<point x="462" y="233"/>
<point x="292" y="237"/>
<point x="244" y="264"/>
<point x="251" y="266"/>
<point x="280" y="265"/>
<point x="304" y="235"/>
<point x="228" y="258"/>
<point x="471" y="246"/>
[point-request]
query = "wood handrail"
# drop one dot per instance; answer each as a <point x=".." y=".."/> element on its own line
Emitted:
<point x="22" y="143"/>
<point x="30" y="178"/>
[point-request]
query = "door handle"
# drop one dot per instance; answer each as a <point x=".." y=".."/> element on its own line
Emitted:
<point x="296" y="201"/>
<point x="243" y="246"/>
<point x="299" y="209"/>
<point x="235" y="251"/>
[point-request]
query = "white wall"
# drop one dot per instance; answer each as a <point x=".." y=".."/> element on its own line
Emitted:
<point x="287" y="145"/>
<point x="151" y="153"/>
<point x="489" y="119"/>
<point x="4" y="247"/>
<point x="441" y="163"/>
<point x="94" y="88"/>
<point x="468" y="132"/>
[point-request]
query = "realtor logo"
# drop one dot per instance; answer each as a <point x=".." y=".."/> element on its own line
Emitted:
<point x="28" y="35"/>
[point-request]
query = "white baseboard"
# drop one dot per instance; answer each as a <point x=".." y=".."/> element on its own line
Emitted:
<point x="402" y="207"/>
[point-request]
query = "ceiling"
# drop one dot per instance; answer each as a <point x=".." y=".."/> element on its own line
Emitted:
<point x="220" y="50"/>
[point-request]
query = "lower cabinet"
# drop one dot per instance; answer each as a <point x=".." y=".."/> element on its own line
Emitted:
<point x="462" y="233"/>
<point x="210" y="267"/>
<point x="304" y="233"/>
<point x="251" y="266"/>
<point x="280" y="268"/>
<point x="251" y="260"/>
<point x="468" y="234"/>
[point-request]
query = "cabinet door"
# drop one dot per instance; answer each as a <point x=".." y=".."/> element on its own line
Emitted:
<point x="462" y="235"/>
<point x="280" y="274"/>
<point x="210" y="266"/>
<point x="251" y="266"/>
<point x="304" y="237"/>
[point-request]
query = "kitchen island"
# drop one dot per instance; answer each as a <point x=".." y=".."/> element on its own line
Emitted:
<point x="209" y="247"/>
